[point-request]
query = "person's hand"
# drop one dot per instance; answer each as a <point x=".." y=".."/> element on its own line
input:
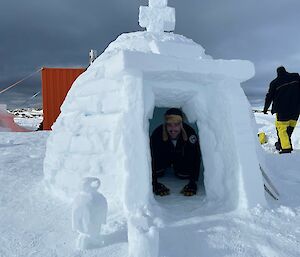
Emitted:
<point x="265" y="110"/>
<point x="190" y="189"/>
<point x="160" y="189"/>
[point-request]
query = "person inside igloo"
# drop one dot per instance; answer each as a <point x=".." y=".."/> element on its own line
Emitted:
<point x="175" y="148"/>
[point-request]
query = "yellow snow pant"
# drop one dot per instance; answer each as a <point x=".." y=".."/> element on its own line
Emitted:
<point x="285" y="129"/>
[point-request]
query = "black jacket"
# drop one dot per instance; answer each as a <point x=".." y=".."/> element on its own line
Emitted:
<point x="284" y="92"/>
<point x="184" y="158"/>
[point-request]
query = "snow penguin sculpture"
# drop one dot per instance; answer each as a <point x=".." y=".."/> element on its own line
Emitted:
<point x="89" y="212"/>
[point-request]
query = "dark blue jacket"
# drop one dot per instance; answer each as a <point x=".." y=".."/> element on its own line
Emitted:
<point x="184" y="157"/>
<point x="284" y="92"/>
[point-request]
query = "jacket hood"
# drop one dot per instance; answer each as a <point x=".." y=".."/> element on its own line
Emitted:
<point x="281" y="71"/>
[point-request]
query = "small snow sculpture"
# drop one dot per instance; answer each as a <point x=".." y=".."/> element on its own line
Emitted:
<point x="89" y="212"/>
<point x="157" y="17"/>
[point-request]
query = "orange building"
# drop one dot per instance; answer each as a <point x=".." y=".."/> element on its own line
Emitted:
<point x="56" y="82"/>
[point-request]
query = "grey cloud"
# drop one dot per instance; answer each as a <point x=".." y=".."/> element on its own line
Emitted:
<point x="60" y="33"/>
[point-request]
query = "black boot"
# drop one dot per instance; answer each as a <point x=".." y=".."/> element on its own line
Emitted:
<point x="190" y="189"/>
<point x="285" y="151"/>
<point x="160" y="189"/>
<point x="278" y="146"/>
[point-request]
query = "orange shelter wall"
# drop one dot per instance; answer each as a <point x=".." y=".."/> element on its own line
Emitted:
<point x="56" y="82"/>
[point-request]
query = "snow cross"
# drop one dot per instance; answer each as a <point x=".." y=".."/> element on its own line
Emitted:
<point x="157" y="17"/>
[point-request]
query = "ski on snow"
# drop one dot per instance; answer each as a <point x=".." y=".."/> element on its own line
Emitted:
<point x="268" y="185"/>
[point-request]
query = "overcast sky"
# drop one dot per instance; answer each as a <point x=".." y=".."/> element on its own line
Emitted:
<point x="60" y="33"/>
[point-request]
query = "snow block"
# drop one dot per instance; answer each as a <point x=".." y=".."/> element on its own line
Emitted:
<point x="113" y="102"/>
<point x="127" y="60"/>
<point x="180" y="50"/>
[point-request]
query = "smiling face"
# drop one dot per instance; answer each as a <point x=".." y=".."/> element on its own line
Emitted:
<point x="173" y="129"/>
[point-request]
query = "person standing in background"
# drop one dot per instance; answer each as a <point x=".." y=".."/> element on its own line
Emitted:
<point x="284" y="94"/>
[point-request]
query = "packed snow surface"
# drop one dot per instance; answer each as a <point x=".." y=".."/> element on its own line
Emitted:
<point x="33" y="223"/>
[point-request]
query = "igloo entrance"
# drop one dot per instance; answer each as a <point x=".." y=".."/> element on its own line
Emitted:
<point x="169" y="179"/>
<point x="218" y="105"/>
<point x="193" y="94"/>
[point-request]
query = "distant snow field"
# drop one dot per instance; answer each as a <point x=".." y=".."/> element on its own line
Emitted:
<point x="33" y="223"/>
<point x="28" y="118"/>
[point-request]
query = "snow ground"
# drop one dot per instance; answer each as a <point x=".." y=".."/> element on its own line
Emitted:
<point x="32" y="223"/>
<point x="29" y="123"/>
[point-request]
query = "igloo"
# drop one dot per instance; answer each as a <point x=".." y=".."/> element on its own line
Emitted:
<point x="103" y="128"/>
